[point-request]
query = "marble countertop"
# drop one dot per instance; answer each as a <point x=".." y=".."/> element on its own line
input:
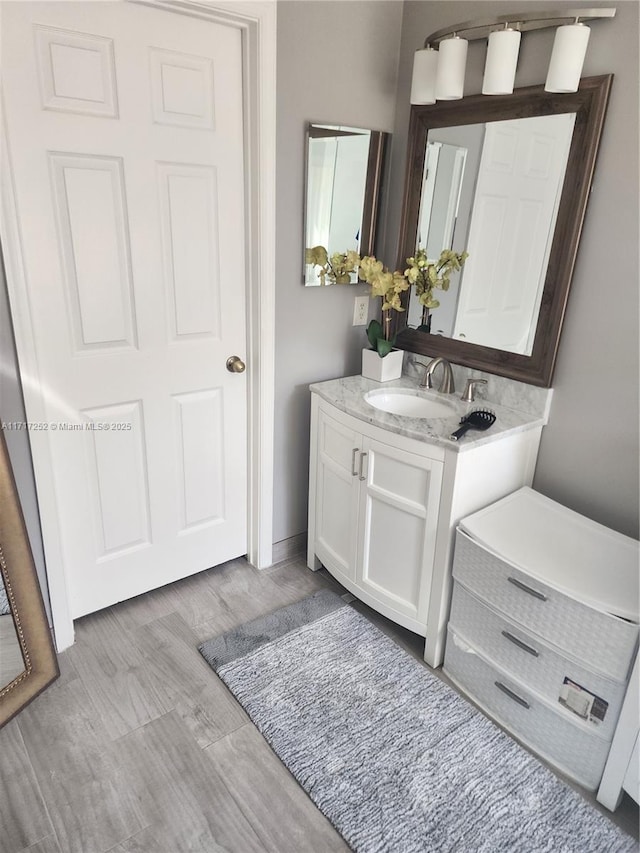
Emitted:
<point x="347" y="394"/>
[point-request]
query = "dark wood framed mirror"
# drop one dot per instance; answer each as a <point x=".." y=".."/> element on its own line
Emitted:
<point x="535" y="364"/>
<point x="28" y="661"/>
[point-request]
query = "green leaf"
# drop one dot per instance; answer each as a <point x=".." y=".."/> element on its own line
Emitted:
<point x="385" y="347"/>
<point x="374" y="333"/>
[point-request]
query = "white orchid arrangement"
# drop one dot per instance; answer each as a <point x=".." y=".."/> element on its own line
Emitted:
<point x="388" y="286"/>
<point x="426" y="275"/>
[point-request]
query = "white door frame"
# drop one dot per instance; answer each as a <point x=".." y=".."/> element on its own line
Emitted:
<point x="256" y="20"/>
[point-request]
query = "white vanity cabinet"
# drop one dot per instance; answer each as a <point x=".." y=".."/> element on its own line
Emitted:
<point x="383" y="509"/>
<point x="375" y="515"/>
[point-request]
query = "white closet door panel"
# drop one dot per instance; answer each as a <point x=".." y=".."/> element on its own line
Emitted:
<point x="190" y="225"/>
<point x="519" y="184"/>
<point x="201" y="450"/>
<point x="93" y="233"/>
<point x="125" y="132"/>
<point x="122" y="516"/>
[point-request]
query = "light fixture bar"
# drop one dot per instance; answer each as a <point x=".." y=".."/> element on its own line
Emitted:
<point x="525" y="21"/>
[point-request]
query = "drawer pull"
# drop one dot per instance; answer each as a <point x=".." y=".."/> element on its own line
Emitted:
<point x="525" y="588"/>
<point x="354" y="473"/>
<point x="512" y="695"/>
<point x="520" y="644"/>
<point x="362" y="476"/>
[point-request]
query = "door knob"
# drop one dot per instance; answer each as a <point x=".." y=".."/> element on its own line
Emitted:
<point x="235" y="364"/>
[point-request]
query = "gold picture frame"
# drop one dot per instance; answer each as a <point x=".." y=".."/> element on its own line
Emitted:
<point x="25" y="600"/>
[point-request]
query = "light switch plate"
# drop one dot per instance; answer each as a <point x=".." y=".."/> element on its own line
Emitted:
<point x="361" y="311"/>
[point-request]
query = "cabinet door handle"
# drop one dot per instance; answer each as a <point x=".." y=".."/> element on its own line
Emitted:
<point x="520" y="644"/>
<point x="362" y="475"/>
<point x="525" y="588"/>
<point x="354" y="473"/>
<point x="511" y="694"/>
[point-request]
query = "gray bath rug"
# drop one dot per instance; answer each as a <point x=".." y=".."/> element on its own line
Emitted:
<point x="394" y="758"/>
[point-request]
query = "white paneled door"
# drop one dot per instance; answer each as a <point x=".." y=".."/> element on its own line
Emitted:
<point x="517" y="194"/>
<point x="125" y="141"/>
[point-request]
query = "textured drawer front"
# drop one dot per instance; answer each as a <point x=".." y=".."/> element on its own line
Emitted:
<point x="568" y="746"/>
<point x="603" y="642"/>
<point x="533" y="662"/>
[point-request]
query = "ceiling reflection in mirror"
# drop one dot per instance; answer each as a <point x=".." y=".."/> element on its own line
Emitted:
<point x="343" y="173"/>
<point x="492" y="189"/>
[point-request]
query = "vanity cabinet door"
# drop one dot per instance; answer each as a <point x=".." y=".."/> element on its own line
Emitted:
<point x="398" y="518"/>
<point x="338" y="466"/>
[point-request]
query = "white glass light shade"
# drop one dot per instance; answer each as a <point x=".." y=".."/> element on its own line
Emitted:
<point x="567" y="58"/>
<point x="502" y="59"/>
<point x="423" y="83"/>
<point x="451" y="67"/>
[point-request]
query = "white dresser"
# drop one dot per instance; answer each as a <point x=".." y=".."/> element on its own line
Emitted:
<point x="543" y="630"/>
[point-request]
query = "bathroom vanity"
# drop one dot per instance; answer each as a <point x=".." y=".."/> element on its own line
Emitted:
<point x="387" y="491"/>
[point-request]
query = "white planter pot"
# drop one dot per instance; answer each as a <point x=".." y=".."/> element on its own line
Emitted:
<point x="382" y="369"/>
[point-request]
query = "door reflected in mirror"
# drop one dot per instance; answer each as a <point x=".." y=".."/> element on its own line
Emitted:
<point x="493" y="189"/>
<point x="343" y="174"/>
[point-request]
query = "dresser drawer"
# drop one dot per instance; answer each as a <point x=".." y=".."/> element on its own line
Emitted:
<point x="569" y="746"/>
<point x="536" y="663"/>
<point x="603" y="642"/>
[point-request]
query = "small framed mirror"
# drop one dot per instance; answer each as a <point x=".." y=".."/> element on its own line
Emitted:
<point x="506" y="179"/>
<point x="342" y="190"/>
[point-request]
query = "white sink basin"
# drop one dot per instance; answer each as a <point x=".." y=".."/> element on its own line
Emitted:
<point x="411" y="404"/>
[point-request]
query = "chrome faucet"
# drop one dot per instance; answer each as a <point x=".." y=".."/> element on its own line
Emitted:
<point x="446" y="383"/>
<point x="469" y="393"/>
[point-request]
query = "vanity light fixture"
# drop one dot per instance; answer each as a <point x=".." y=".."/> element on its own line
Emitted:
<point x="502" y="59"/>
<point x="438" y="74"/>
<point x="452" y="62"/>
<point x="567" y="58"/>
<point x="423" y="84"/>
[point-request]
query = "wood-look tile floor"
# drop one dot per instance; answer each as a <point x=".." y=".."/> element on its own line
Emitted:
<point x="139" y="748"/>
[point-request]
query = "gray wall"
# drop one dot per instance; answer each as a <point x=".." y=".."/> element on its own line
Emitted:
<point x="589" y="453"/>
<point x="337" y="63"/>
